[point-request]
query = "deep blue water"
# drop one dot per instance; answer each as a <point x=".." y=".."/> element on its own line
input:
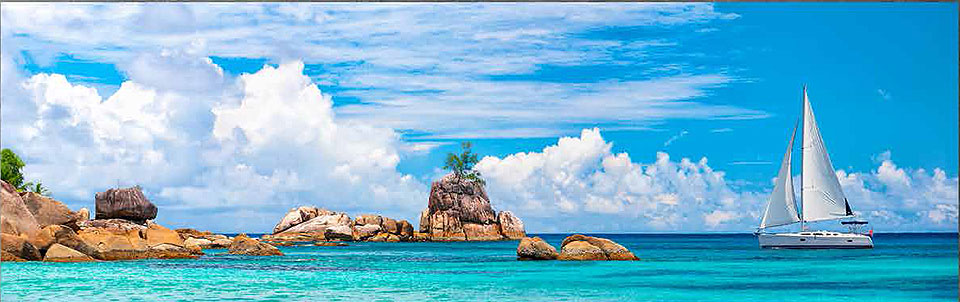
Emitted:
<point x="674" y="267"/>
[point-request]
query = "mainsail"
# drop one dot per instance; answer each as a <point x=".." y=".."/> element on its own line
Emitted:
<point x="821" y="194"/>
<point x="782" y="208"/>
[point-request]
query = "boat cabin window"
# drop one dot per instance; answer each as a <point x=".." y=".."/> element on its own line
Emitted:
<point x="805" y="234"/>
<point x="817" y="234"/>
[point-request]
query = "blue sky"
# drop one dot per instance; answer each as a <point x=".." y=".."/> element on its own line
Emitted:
<point x="675" y="115"/>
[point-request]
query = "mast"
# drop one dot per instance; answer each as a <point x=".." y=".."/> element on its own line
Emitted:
<point x="803" y="115"/>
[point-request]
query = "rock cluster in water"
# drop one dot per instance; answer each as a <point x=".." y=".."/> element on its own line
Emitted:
<point x="574" y="247"/>
<point x="459" y="210"/>
<point x="36" y="227"/>
<point x="312" y="224"/>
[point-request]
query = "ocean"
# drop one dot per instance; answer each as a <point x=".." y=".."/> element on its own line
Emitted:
<point x="674" y="267"/>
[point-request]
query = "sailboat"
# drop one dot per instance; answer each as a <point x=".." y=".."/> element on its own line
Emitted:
<point x="821" y="197"/>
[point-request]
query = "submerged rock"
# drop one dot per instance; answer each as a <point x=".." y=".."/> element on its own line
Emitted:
<point x="244" y="245"/>
<point x="171" y="251"/>
<point x="329" y="243"/>
<point x="125" y="203"/>
<point x="61" y="253"/>
<point x="580" y="247"/>
<point x="535" y="249"/>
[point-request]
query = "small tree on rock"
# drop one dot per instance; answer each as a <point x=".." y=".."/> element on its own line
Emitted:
<point x="10" y="164"/>
<point x="462" y="165"/>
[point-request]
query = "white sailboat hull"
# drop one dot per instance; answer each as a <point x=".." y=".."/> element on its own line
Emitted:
<point x="815" y="240"/>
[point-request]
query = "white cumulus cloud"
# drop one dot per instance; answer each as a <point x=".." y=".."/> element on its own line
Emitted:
<point x="269" y="142"/>
<point x="579" y="179"/>
<point x="578" y="184"/>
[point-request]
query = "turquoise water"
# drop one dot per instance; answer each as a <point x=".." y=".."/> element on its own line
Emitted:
<point x="902" y="267"/>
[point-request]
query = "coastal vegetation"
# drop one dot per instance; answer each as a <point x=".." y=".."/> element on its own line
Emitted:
<point x="11" y="166"/>
<point x="461" y="165"/>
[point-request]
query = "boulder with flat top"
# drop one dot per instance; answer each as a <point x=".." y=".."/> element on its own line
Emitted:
<point x="125" y="203"/>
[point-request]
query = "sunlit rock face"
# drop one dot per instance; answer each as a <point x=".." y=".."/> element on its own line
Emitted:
<point x="459" y="209"/>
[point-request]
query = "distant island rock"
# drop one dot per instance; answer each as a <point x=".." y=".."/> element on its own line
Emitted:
<point x="580" y="247"/>
<point x="308" y="224"/>
<point x="535" y="249"/>
<point x="459" y="210"/>
<point x="574" y="247"/>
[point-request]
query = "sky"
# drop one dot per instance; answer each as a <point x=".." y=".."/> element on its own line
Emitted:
<point x="599" y="117"/>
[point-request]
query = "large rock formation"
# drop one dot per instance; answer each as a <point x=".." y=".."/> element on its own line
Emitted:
<point x="297" y="216"/>
<point x="312" y="224"/>
<point x="244" y="245"/>
<point x="119" y="239"/>
<point x="48" y="211"/>
<point x="466" y="198"/>
<point x="71" y="236"/>
<point x="535" y="249"/>
<point x="580" y="247"/>
<point x="320" y="223"/>
<point x="126" y="203"/>
<point x="15" y="218"/>
<point x="459" y="209"/>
